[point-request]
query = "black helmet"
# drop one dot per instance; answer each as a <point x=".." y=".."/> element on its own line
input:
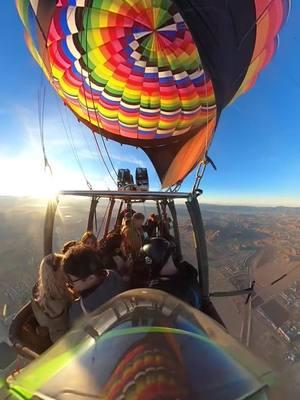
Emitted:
<point x="156" y="253"/>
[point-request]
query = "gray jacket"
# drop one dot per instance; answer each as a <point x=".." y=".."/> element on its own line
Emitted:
<point x="94" y="298"/>
<point x="57" y="323"/>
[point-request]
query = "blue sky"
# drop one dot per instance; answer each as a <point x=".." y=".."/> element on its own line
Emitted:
<point x="256" y="146"/>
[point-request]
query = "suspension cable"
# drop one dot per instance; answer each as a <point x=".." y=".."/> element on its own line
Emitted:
<point x="103" y="141"/>
<point x="41" y="117"/>
<point x="69" y="135"/>
<point x="88" y="145"/>
<point x="205" y="160"/>
<point x="145" y="210"/>
<point x="96" y="111"/>
<point x="257" y="21"/>
<point x="101" y="155"/>
<point x="103" y="219"/>
<point x="90" y="120"/>
<point x="96" y="220"/>
<point x="76" y="154"/>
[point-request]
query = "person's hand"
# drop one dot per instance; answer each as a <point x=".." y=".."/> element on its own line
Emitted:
<point x="128" y="266"/>
<point x="72" y="294"/>
<point x="129" y="261"/>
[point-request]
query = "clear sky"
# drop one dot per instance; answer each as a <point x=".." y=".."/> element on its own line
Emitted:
<point x="256" y="147"/>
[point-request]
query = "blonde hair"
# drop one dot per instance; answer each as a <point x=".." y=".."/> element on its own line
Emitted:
<point x="132" y="240"/>
<point x="49" y="286"/>
<point x="88" y="235"/>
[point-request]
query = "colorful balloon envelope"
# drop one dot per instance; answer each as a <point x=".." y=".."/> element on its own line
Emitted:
<point x="154" y="74"/>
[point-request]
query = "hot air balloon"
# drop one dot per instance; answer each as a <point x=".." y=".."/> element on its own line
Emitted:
<point x="154" y="74"/>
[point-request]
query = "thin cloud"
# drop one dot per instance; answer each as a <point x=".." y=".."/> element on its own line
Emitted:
<point x="128" y="159"/>
<point x="55" y="135"/>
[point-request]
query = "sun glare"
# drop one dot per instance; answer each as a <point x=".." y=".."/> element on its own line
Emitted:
<point x="27" y="180"/>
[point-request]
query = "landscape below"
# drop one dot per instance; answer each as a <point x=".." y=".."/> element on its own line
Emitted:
<point x="244" y="243"/>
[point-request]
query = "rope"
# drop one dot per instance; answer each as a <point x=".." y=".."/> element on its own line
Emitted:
<point x="88" y="145"/>
<point x="145" y="211"/>
<point x="69" y="136"/>
<point x="95" y="220"/>
<point x="77" y="158"/>
<point x="103" y="219"/>
<point x="103" y="141"/>
<point x="97" y="144"/>
<point x="257" y="21"/>
<point x="205" y="160"/>
<point x="101" y="155"/>
<point x="96" y="112"/>
<point x="71" y="142"/>
<point x="41" y="117"/>
<point x="206" y="94"/>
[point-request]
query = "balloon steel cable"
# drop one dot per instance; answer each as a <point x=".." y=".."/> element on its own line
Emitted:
<point x="203" y="162"/>
<point x="69" y="135"/>
<point x="102" y="222"/>
<point x="94" y="106"/>
<point x="70" y="138"/>
<point x="257" y="21"/>
<point x="96" y="141"/>
<point x="46" y="161"/>
<point x="41" y="114"/>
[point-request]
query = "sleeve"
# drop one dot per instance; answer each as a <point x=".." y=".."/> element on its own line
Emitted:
<point x="75" y="312"/>
<point x="119" y="284"/>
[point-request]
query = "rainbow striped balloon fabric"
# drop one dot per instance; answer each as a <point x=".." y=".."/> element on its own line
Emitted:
<point x="149" y="72"/>
<point x="148" y="373"/>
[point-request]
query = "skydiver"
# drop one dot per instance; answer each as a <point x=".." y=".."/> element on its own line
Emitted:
<point x="90" y="280"/>
<point x="158" y="270"/>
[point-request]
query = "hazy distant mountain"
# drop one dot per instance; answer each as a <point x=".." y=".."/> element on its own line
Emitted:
<point x="251" y="210"/>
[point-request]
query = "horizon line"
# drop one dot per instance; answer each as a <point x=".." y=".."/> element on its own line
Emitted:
<point x="225" y="203"/>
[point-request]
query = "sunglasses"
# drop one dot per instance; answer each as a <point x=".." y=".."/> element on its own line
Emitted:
<point x="72" y="281"/>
